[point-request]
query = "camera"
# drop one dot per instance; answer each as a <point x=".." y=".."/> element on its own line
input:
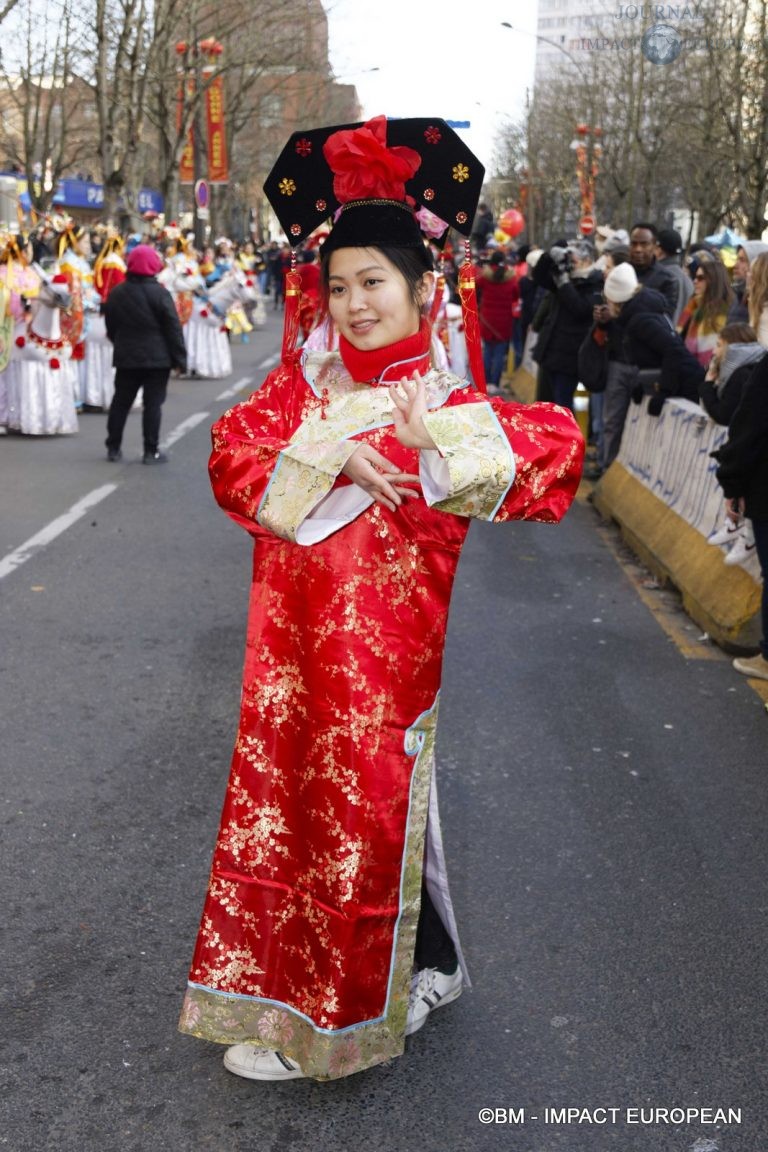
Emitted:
<point x="562" y="258"/>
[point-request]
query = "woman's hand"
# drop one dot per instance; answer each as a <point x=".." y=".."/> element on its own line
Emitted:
<point x="379" y="477"/>
<point x="410" y="400"/>
<point x="734" y="509"/>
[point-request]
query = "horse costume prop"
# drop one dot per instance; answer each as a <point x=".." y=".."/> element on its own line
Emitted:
<point x="206" y="337"/>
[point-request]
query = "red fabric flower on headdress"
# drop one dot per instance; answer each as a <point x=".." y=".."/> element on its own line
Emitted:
<point x="365" y="168"/>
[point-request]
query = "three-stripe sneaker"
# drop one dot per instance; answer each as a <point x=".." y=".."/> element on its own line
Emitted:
<point x="260" y="1063"/>
<point x="430" y="989"/>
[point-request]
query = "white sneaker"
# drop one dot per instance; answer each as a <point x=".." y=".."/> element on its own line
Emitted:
<point x="430" y="989"/>
<point x="742" y="549"/>
<point x="754" y="666"/>
<point x="726" y="534"/>
<point x="260" y="1063"/>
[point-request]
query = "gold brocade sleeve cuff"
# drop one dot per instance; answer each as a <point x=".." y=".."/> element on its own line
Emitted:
<point x="303" y="477"/>
<point x="473" y="467"/>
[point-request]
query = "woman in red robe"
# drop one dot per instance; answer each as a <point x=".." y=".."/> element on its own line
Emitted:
<point x="327" y="934"/>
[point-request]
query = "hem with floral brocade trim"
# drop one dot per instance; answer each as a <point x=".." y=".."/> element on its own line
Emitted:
<point x="322" y="1054"/>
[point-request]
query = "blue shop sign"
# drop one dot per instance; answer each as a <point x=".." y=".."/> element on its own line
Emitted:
<point x="86" y="194"/>
<point x="78" y="194"/>
<point x="151" y="201"/>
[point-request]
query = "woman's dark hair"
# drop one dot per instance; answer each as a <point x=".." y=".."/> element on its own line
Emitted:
<point x="498" y="262"/>
<point x="412" y="263"/>
<point x="738" y="334"/>
<point x="718" y="293"/>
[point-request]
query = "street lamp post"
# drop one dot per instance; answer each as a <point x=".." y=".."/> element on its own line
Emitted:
<point x="587" y="158"/>
<point x="199" y="58"/>
<point x="529" y="173"/>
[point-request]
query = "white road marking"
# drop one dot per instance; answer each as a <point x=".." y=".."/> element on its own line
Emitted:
<point x="14" y="559"/>
<point x="185" y="426"/>
<point x="269" y="362"/>
<point x="238" y="387"/>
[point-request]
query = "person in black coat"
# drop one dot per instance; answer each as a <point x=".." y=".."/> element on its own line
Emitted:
<point x="650" y="273"/>
<point x="743" y="475"/>
<point x="575" y="287"/>
<point x="148" y="341"/>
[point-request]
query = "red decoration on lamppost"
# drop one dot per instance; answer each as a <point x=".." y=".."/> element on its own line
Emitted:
<point x="192" y="78"/>
<point x="587" y="170"/>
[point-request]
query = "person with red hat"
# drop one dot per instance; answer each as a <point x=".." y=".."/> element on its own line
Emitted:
<point x="148" y="341"/>
<point x="328" y="934"/>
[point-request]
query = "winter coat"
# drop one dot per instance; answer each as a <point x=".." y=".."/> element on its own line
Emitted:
<point x="743" y="459"/>
<point x="568" y="323"/>
<point x="662" y="280"/>
<point x="530" y="297"/>
<point x="721" y="397"/>
<point x="143" y="325"/>
<point x="650" y="341"/>
<point x="683" y="282"/>
<point x="496" y="300"/>
<point x="649" y="301"/>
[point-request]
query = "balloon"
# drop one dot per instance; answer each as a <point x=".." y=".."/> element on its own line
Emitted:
<point x="501" y="237"/>
<point x="511" y="222"/>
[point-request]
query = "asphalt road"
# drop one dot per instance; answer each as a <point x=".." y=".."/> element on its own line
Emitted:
<point x="604" y="804"/>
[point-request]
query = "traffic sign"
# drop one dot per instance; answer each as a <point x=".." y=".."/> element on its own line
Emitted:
<point x="587" y="225"/>
<point x="202" y="193"/>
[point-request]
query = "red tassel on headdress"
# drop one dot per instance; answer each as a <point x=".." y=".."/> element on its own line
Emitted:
<point x="291" y="314"/>
<point x="468" y="298"/>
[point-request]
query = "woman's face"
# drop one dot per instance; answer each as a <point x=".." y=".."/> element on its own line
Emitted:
<point x="699" y="282"/>
<point x="741" y="265"/>
<point x="369" y="299"/>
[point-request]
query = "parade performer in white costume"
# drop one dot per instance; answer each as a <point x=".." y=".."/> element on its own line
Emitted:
<point x="40" y="395"/>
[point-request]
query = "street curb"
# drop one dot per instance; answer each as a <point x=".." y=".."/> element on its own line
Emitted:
<point x="723" y="600"/>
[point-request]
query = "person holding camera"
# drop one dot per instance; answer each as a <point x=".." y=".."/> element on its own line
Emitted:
<point x="575" y="288"/>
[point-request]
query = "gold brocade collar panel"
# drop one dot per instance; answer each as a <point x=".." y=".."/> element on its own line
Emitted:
<point x="348" y="408"/>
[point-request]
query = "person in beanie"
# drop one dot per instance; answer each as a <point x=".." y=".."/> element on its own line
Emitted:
<point x="148" y="341"/>
<point x="628" y="304"/>
<point x="327" y="934"/>
<point x="651" y="341"/>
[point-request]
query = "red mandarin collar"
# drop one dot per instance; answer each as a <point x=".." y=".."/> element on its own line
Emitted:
<point x="385" y="365"/>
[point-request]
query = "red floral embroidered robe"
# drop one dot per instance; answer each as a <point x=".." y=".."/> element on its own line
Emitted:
<point x="307" y="937"/>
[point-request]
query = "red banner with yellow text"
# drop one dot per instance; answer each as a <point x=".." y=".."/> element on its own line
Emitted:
<point x="218" y="165"/>
<point x="187" y="161"/>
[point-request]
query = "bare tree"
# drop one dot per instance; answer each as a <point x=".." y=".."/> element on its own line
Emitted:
<point x="692" y="134"/>
<point x="7" y="8"/>
<point x="123" y="49"/>
<point x="43" y="132"/>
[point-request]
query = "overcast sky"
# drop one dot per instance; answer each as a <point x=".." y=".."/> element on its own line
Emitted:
<point x="435" y="58"/>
